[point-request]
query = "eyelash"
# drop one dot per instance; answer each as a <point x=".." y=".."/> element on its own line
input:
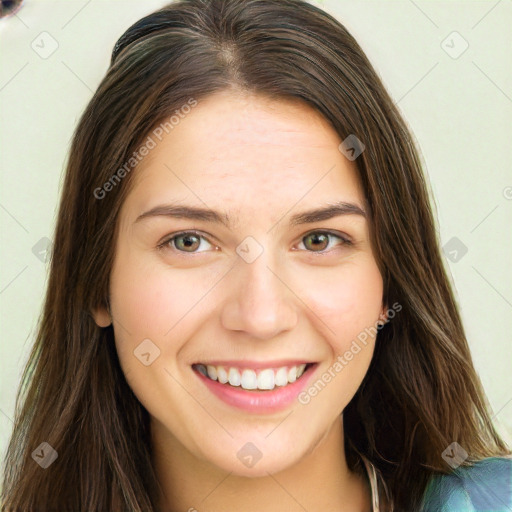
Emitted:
<point x="165" y="243"/>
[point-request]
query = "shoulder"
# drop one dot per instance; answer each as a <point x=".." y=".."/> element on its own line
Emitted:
<point x="486" y="486"/>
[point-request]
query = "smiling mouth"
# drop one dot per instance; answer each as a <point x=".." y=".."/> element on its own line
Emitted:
<point x="253" y="380"/>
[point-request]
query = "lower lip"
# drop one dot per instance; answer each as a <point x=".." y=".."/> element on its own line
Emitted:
<point x="260" y="402"/>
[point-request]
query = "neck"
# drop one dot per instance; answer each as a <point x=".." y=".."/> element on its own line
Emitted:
<point x="321" y="480"/>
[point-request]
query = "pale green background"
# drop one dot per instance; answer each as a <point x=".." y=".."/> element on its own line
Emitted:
<point x="460" y="110"/>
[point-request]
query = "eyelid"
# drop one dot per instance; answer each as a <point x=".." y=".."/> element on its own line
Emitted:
<point x="332" y="232"/>
<point x="165" y="241"/>
<point x="345" y="239"/>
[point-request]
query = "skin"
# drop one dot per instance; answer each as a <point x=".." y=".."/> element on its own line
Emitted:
<point x="260" y="161"/>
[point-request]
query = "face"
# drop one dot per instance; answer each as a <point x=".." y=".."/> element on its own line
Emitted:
<point x="251" y="294"/>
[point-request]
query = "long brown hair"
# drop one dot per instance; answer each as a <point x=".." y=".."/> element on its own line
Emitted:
<point x="421" y="392"/>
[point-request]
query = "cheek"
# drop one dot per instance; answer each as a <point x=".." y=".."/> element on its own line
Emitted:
<point x="147" y="302"/>
<point x="347" y="300"/>
<point x="142" y="300"/>
<point x="349" y="303"/>
<point x="151" y="300"/>
<point x="151" y="296"/>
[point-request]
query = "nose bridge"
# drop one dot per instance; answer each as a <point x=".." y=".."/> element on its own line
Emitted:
<point x="259" y="303"/>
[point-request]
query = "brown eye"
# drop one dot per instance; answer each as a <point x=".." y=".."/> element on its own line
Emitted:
<point x="319" y="241"/>
<point x="187" y="242"/>
<point x="316" y="241"/>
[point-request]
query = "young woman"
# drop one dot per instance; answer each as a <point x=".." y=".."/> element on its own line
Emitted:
<point x="247" y="306"/>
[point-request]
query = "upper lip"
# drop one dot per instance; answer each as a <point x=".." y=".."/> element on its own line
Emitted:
<point x="255" y="365"/>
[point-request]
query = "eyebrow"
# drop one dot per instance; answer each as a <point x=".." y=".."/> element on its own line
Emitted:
<point x="204" y="214"/>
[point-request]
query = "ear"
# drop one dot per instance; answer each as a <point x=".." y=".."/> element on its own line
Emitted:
<point x="102" y="317"/>
<point x="383" y="316"/>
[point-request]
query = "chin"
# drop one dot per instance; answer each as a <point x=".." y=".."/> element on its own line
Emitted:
<point x="254" y="459"/>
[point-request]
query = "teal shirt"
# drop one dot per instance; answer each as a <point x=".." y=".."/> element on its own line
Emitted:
<point x="485" y="487"/>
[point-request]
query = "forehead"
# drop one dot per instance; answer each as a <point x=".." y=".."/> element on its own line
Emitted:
<point x="247" y="152"/>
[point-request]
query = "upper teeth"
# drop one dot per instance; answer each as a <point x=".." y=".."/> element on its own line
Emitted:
<point x="250" y="379"/>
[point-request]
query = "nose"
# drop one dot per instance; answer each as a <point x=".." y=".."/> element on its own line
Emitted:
<point x="259" y="301"/>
